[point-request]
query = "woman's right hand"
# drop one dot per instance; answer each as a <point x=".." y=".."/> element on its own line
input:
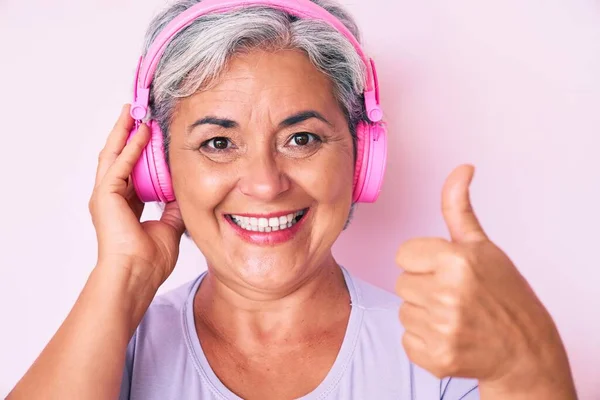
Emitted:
<point x="150" y="248"/>
<point x="85" y="358"/>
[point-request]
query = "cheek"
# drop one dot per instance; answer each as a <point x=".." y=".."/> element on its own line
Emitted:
<point x="328" y="178"/>
<point x="199" y="186"/>
<point x="199" y="189"/>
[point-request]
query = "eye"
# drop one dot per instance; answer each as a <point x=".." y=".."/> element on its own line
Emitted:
<point x="217" y="143"/>
<point x="303" y="139"/>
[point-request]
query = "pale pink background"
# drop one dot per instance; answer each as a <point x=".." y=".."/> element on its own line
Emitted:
<point x="512" y="86"/>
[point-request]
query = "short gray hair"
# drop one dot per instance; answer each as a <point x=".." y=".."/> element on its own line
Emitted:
<point x="198" y="54"/>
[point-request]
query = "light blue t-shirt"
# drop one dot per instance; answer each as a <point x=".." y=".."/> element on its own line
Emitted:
<point x="165" y="360"/>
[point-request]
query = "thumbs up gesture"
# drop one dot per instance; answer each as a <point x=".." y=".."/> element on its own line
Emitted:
<point x="468" y="312"/>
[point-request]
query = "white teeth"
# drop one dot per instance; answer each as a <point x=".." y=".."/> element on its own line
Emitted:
<point x="266" y="224"/>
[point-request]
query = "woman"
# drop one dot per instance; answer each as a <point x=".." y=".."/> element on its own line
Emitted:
<point x="260" y="112"/>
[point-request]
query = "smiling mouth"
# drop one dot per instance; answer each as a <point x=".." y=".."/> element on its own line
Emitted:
<point x="263" y="224"/>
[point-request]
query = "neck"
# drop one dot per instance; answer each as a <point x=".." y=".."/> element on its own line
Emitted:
<point x="249" y="319"/>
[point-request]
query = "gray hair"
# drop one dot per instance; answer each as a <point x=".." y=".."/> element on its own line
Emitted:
<point x="198" y="54"/>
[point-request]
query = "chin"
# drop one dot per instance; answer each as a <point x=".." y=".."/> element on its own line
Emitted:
<point x="272" y="273"/>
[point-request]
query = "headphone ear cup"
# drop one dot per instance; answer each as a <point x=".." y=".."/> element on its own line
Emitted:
<point x="362" y="150"/>
<point x="371" y="158"/>
<point x="151" y="177"/>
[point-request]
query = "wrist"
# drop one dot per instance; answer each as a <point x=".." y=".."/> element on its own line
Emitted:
<point x="550" y="388"/>
<point x="542" y="374"/>
<point x="131" y="287"/>
<point x="138" y="275"/>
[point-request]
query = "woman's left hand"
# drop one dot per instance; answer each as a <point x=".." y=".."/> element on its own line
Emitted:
<point x="468" y="312"/>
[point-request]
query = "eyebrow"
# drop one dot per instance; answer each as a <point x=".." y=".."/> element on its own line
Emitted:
<point x="301" y="117"/>
<point x="289" y="121"/>
<point x="211" y="120"/>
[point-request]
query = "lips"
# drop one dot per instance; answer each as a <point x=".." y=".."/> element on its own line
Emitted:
<point x="267" y="229"/>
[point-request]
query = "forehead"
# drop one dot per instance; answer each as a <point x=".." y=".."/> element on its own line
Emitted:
<point x="273" y="83"/>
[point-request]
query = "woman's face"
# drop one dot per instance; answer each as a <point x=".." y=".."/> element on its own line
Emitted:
<point x="267" y="145"/>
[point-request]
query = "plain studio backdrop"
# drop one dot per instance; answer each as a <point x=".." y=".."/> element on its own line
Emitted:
<point x="512" y="86"/>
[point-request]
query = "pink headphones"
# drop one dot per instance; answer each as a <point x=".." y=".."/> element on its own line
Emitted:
<point x="151" y="177"/>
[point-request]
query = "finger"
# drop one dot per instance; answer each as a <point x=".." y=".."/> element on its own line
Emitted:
<point x="133" y="200"/>
<point x="422" y="255"/>
<point x="415" y="289"/>
<point x="416" y="349"/>
<point x="170" y="228"/>
<point x="172" y="217"/>
<point x="457" y="209"/>
<point x="117" y="175"/>
<point x="415" y="319"/>
<point x="114" y="143"/>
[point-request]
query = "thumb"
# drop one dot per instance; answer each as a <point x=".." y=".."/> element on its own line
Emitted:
<point x="172" y="216"/>
<point x="457" y="209"/>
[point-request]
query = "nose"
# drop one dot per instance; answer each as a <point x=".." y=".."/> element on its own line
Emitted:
<point x="263" y="179"/>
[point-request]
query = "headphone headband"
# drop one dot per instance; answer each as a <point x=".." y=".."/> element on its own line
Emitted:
<point x="299" y="8"/>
